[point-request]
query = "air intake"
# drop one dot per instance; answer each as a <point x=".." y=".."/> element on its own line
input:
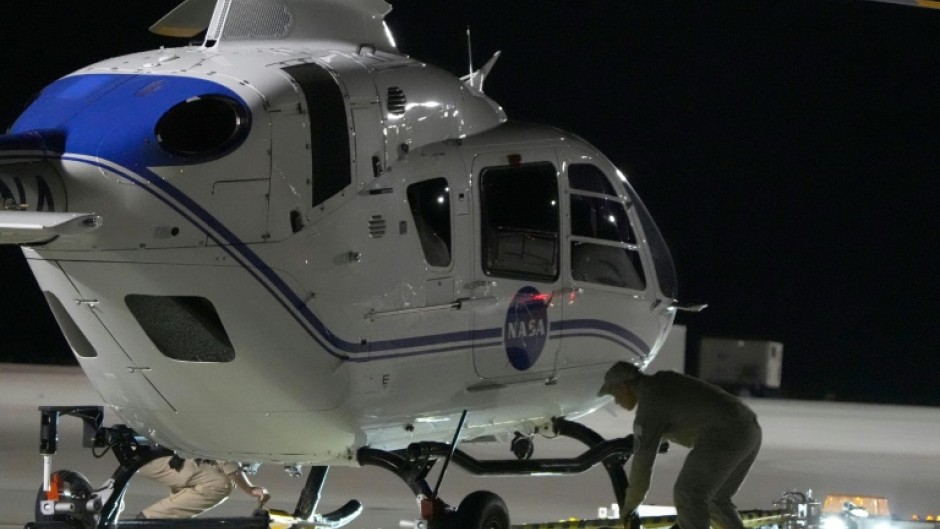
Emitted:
<point x="185" y="328"/>
<point x="377" y="226"/>
<point x="396" y="101"/>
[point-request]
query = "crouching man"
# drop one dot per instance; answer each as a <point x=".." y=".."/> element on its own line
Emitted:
<point x="196" y="485"/>
<point x="720" y="429"/>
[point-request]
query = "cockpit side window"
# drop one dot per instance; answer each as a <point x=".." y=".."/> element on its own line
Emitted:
<point x="600" y="218"/>
<point x="603" y="243"/>
<point x="430" y="207"/>
<point x="520" y="221"/>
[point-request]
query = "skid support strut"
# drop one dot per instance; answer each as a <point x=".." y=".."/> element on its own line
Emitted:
<point x="310" y="495"/>
<point x="310" y="498"/>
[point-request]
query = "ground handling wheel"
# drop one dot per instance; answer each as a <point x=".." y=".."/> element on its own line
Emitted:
<point x="482" y="510"/>
<point x="72" y="494"/>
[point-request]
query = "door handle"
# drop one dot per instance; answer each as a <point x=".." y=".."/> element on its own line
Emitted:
<point x="461" y="302"/>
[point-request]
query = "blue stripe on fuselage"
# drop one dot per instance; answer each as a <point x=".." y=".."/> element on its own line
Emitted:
<point x="635" y="342"/>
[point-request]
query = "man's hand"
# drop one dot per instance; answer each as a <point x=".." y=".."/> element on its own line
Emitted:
<point x="258" y="492"/>
<point x="631" y="520"/>
<point x="261" y="494"/>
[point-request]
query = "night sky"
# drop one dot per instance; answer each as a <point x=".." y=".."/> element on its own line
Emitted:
<point x="789" y="150"/>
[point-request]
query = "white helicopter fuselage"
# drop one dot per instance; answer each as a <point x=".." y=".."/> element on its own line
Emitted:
<point x="292" y="252"/>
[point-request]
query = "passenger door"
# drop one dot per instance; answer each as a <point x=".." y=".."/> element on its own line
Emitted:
<point x="517" y="264"/>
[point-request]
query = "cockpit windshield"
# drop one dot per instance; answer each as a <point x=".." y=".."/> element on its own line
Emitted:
<point x="662" y="258"/>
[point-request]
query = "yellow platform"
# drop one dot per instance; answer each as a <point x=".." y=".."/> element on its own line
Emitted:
<point x="752" y="519"/>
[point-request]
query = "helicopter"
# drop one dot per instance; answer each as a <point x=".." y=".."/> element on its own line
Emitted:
<point x="288" y="243"/>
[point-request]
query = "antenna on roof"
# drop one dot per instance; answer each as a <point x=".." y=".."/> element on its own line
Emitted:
<point x="475" y="79"/>
<point x="469" y="50"/>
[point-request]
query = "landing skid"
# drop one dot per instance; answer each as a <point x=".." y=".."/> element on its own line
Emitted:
<point x="413" y="464"/>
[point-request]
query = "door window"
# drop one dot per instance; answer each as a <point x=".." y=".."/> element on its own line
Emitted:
<point x="520" y="221"/>
<point x="430" y="206"/>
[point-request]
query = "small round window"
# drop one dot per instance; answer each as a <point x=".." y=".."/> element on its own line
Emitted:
<point x="202" y="126"/>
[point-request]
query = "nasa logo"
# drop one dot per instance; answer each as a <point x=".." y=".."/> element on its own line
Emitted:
<point x="526" y="328"/>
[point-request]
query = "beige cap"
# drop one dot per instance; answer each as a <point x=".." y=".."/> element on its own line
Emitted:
<point x="621" y="372"/>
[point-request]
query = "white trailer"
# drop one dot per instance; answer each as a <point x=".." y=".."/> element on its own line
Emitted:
<point x="755" y="365"/>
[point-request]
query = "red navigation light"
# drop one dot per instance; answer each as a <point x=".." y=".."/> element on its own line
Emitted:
<point x="544" y="298"/>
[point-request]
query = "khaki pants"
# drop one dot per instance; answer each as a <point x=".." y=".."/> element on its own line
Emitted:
<point x="196" y="488"/>
<point x="713" y="472"/>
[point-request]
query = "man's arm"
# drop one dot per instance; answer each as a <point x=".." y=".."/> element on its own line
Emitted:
<point x="235" y="473"/>
<point x="241" y="481"/>
<point x="646" y="438"/>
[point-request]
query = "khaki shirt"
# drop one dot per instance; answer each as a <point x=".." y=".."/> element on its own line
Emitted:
<point x="680" y="409"/>
<point x="228" y="467"/>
